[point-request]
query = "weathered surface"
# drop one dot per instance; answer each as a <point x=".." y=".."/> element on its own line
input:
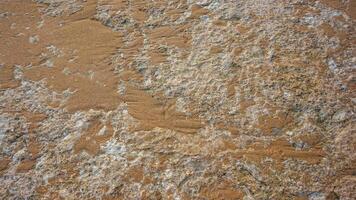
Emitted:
<point x="208" y="99"/>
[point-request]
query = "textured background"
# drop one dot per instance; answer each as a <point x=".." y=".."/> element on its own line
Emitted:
<point x="177" y="99"/>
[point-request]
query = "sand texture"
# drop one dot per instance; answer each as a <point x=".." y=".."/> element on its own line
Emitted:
<point x="178" y="99"/>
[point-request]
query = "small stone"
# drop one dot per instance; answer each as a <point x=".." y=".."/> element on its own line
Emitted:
<point x="34" y="39"/>
<point x="340" y="116"/>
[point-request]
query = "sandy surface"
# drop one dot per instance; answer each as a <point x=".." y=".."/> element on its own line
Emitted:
<point x="158" y="99"/>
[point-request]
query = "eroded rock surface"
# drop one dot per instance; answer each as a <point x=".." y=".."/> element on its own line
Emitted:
<point x="176" y="99"/>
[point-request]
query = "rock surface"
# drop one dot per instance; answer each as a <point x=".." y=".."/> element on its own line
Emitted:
<point x="177" y="99"/>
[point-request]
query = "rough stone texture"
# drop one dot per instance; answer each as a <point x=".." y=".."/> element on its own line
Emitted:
<point x="177" y="99"/>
